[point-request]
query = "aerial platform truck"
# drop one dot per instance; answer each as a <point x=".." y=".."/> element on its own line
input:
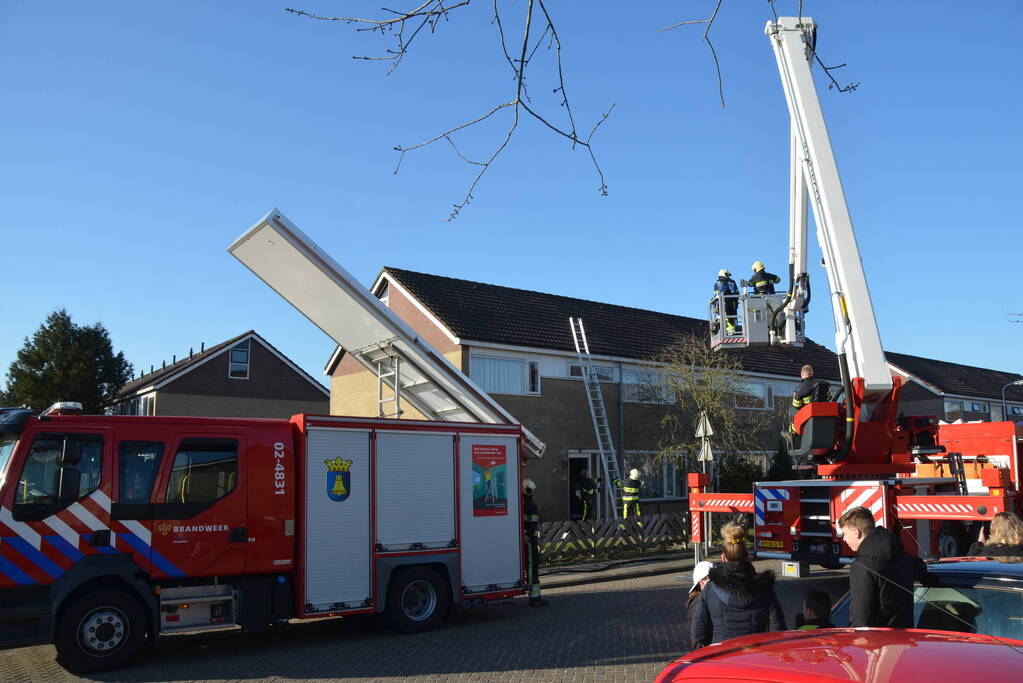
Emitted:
<point x="932" y="482"/>
<point x="117" y="529"/>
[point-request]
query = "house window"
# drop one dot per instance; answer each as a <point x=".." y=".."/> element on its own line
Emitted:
<point x="534" y="377"/>
<point x="782" y="395"/>
<point x="661" y="477"/>
<point x="238" y="367"/>
<point x="497" y="375"/>
<point x="996" y="413"/>
<point x="646" y="386"/>
<point x="751" y="395"/>
<point x="978" y="406"/>
<point x="953" y="410"/>
<point x="605" y="373"/>
<point x="1016" y="410"/>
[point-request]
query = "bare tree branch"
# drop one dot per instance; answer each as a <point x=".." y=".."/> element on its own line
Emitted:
<point x="706" y="38"/>
<point x="428" y="14"/>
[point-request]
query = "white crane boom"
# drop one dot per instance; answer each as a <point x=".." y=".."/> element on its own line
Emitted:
<point x="856" y="334"/>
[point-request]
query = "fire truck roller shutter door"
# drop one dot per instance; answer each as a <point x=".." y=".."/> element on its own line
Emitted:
<point x="338" y="505"/>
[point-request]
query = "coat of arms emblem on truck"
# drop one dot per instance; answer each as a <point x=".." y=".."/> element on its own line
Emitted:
<point x="339" y="479"/>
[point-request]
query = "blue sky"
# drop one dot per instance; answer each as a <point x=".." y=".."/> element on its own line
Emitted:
<point x="137" y="140"/>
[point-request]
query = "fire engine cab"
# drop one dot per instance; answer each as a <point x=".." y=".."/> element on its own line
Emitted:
<point x="116" y="529"/>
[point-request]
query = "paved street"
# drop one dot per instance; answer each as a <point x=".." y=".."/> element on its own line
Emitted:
<point x="624" y="630"/>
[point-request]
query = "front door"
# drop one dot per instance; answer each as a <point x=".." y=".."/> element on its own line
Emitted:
<point x="199" y="517"/>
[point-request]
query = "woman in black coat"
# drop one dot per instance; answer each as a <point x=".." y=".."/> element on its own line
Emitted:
<point x="738" y="601"/>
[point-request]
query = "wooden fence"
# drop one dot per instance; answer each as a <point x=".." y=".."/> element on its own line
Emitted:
<point x="608" y="538"/>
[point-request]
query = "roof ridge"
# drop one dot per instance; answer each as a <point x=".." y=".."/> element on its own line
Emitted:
<point x="546" y="294"/>
<point x="949" y="362"/>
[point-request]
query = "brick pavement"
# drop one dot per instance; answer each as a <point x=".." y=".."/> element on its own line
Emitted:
<point x="623" y="630"/>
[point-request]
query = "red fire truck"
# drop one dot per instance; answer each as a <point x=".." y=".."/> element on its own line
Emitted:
<point x="116" y="529"/>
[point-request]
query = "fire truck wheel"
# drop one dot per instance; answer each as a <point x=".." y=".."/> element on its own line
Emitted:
<point x="100" y="630"/>
<point x="416" y="600"/>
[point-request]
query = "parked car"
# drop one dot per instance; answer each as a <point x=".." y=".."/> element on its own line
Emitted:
<point x="976" y="595"/>
<point x="847" y="654"/>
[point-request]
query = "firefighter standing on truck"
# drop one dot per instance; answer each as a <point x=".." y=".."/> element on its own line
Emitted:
<point x="531" y="517"/>
<point x="762" y="282"/>
<point x="810" y="389"/>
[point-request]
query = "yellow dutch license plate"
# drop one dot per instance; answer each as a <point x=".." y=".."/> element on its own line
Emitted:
<point x="771" y="544"/>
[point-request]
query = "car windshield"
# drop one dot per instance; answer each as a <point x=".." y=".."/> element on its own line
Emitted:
<point x="6" y="448"/>
<point x="990" y="610"/>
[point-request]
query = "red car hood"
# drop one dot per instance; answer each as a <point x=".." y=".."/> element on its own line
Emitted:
<point x="853" y="654"/>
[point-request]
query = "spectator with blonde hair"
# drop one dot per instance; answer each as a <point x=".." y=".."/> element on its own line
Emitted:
<point x="1006" y="537"/>
<point x="738" y="601"/>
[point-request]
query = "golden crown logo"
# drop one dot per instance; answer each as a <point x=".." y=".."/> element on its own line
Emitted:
<point x="338" y="465"/>
<point x="164" y="528"/>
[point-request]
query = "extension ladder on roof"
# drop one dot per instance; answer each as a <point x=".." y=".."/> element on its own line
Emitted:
<point x="595" y="398"/>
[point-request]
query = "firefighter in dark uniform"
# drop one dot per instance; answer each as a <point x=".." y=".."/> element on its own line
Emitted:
<point x="810" y="389"/>
<point x="762" y="282"/>
<point x="586" y="491"/>
<point x="531" y="517"/>
<point x="630" y="493"/>
<point x="726" y="285"/>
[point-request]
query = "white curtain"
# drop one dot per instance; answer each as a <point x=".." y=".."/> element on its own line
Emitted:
<point x="499" y="375"/>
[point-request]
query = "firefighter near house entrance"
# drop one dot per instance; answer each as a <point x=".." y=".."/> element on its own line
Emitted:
<point x="531" y="519"/>
<point x="630" y="494"/>
<point x="586" y="491"/>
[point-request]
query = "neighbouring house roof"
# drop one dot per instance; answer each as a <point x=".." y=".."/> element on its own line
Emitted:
<point x="954" y="378"/>
<point x="158" y="378"/>
<point x="475" y="311"/>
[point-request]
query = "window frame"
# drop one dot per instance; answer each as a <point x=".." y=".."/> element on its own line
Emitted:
<point x="669" y="476"/>
<point x="527" y="365"/>
<point x="231" y="363"/>
<point x="607" y="378"/>
<point x="962" y="409"/>
<point x="768" y="404"/>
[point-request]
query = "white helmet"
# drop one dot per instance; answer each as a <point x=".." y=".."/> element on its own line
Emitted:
<point x="528" y="485"/>
<point x="634" y="473"/>
<point x="724" y="272"/>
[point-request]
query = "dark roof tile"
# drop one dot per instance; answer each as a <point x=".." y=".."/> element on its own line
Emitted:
<point x="954" y="378"/>
<point x="475" y="311"/>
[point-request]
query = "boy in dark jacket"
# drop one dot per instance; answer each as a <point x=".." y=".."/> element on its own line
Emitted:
<point x="738" y="601"/>
<point x="881" y="577"/>
<point x="816" y="611"/>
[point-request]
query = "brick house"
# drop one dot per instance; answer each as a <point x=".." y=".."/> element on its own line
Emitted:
<point x="956" y="392"/>
<point x="242" y="377"/>
<point x="516" y="345"/>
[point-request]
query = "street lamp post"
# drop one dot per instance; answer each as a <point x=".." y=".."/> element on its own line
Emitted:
<point x="1005" y="409"/>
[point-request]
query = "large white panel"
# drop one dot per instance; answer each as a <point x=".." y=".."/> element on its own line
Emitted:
<point x="310" y="280"/>
<point x="415" y="490"/>
<point x="491" y="542"/>
<point x="337" y="542"/>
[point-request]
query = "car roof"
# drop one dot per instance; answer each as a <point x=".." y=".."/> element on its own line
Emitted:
<point x="844" y="654"/>
<point x="1002" y="567"/>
